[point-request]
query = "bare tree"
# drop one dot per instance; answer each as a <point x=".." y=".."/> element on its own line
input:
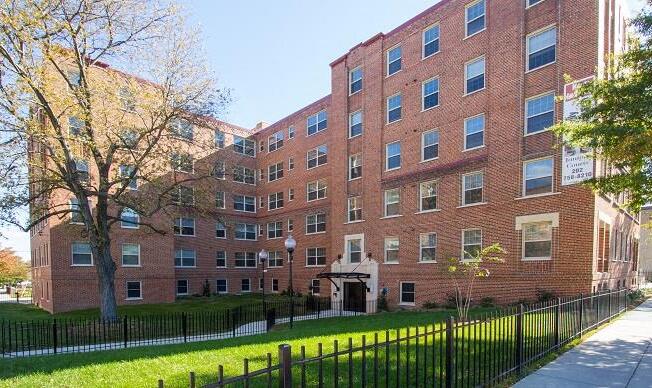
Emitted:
<point x="76" y="135"/>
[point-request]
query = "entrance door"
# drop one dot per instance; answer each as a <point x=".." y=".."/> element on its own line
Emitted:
<point x="355" y="296"/>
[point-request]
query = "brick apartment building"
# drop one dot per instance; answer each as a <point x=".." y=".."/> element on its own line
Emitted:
<point x="432" y="142"/>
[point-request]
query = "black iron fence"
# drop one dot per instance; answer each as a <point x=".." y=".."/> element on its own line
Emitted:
<point x="483" y="350"/>
<point x="38" y="337"/>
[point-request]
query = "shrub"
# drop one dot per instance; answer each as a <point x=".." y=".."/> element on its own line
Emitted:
<point x="488" y="301"/>
<point x="382" y="303"/>
<point x="431" y="304"/>
<point x="636" y="296"/>
<point x="545" y="295"/>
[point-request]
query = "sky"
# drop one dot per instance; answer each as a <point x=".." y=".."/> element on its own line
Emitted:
<point x="275" y="55"/>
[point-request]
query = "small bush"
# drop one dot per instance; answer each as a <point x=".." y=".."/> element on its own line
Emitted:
<point x="382" y="303"/>
<point x="430" y="305"/>
<point x="488" y="301"/>
<point x="636" y="296"/>
<point x="451" y="302"/>
<point x="545" y="295"/>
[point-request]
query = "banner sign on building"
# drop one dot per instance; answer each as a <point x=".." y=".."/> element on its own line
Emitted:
<point x="577" y="162"/>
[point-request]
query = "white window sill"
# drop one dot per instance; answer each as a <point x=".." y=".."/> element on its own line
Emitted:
<point x="537" y="195"/>
<point x="312" y="168"/>
<point x="316" y="266"/>
<point x="225" y="267"/>
<point x="354" y="93"/>
<point x="396" y="72"/>
<point x="76" y="223"/>
<point x="355" y="179"/>
<point x="473" y="149"/>
<point x="537" y="259"/>
<point x="186" y="294"/>
<point x="131" y="266"/>
<point x="129" y="227"/>
<point x="393" y="169"/>
<point x="394" y="122"/>
<point x="475" y="91"/>
<point x="431" y="108"/>
<point x="473" y="204"/>
<point x="220" y="238"/>
<point x="526" y="134"/>
<point x="543" y="66"/>
<point x="428" y="211"/>
<point x="427" y="262"/>
<point x="407" y="304"/>
<point x="429" y="56"/>
<point x="353" y="222"/>
<point x="390" y="217"/>
<point x="315" y="200"/>
<point x="475" y="33"/>
<point x="134" y="298"/>
<point x="391" y="263"/>
<point x="310" y="234"/>
<point x="81" y="265"/>
<point x="429" y="160"/>
<point x="184" y="235"/>
<point x="185" y="266"/>
<point x="353" y="137"/>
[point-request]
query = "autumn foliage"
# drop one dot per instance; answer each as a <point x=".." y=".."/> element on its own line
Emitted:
<point x="12" y="268"/>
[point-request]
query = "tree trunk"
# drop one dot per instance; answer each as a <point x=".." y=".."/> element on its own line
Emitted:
<point x="106" y="267"/>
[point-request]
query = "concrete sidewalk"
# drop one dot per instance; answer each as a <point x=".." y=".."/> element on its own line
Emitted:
<point x="619" y="355"/>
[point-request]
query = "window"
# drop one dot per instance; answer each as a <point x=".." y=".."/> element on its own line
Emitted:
<point x="81" y="254"/>
<point x="244" y="146"/>
<point x="75" y="126"/>
<point x="317" y="156"/>
<point x="244" y="203"/>
<point x="275" y="229"/>
<point x="243" y="174"/>
<point x="220" y="230"/>
<point x="316" y="190"/>
<point x="604" y="246"/>
<point x="182" y="162"/>
<point x="471" y="243"/>
<point x="127" y="99"/>
<point x="315" y="256"/>
<point x="314" y="286"/>
<point x="184" y="258"/>
<point x="428" y="196"/>
<point x="184" y="226"/>
<point x="274" y="285"/>
<point x="275" y="171"/>
<point x="220" y="201"/>
<point x="76" y="216"/>
<point x="219" y="139"/>
<point x="354" y="250"/>
<point x="81" y="169"/>
<point x="537" y="240"/>
<point x="541" y="48"/>
<point x="474" y="132"/>
<point x="533" y="2"/>
<point x="391" y="249"/>
<point x="261" y="283"/>
<point x="474" y="76"/>
<point x="317" y="122"/>
<point x="134" y="290"/>
<point x="428" y="247"/>
<point x="475" y="15"/>
<point x="472" y="185"/>
<point x="355" y="124"/>
<point x="290" y="164"/>
<point x="393" y="156"/>
<point x="74" y="78"/>
<point x="393" y="108"/>
<point x="539" y="113"/>
<point x="355" y="80"/>
<point x="392" y="202"/>
<point x="291" y="132"/>
<point x="245" y="285"/>
<point x="245" y="231"/>
<point x="221" y="286"/>
<point x="290" y="194"/>
<point x="538" y="177"/>
<point x="355" y="166"/>
<point x="393" y="60"/>
<point x="430" y="94"/>
<point x="182" y="129"/>
<point x="275" y="259"/>
<point x="315" y="223"/>
<point x="407" y="293"/>
<point x="219" y="170"/>
<point x="290" y="225"/>
<point x="430" y="41"/>
<point x="275" y="141"/>
<point x="429" y="145"/>
<point x="183" y="195"/>
<point x="125" y="172"/>
<point x="129" y="219"/>
<point x="245" y="259"/>
<point x="355" y="209"/>
<point x="276" y="201"/>
<point x="182" y="287"/>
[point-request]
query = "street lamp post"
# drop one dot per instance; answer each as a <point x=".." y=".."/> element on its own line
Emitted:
<point x="290" y="244"/>
<point x="262" y="256"/>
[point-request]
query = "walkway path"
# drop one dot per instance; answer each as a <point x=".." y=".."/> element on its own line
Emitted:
<point x="619" y="355"/>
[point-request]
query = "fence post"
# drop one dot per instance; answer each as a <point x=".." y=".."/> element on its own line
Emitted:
<point x="519" y="338"/>
<point x="184" y="326"/>
<point x="318" y="307"/>
<point x="54" y="335"/>
<point x="597" y="307"/>
<point x="285" y="367"/>
<point x="193" y="382"/>
<point x="611" y="294"/>
<point x="125" y="330"/>
<point x="233" y="321"/>
<point x="17" y="297"/>
<point x="581" y="314"/>
<point x="557" y="322"/>
<point x="449" y="352"/>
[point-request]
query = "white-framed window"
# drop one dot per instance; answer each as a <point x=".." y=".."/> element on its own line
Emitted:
<point x="275" y="141"/>
<point x="185" y="258"/>
<point x="184" y="226"/>
<point x="221" y="286"/>
<point x="430" y="41"/>
<point x="355" y="209"/>
<point x="475" y="17"/>
<point x="471" y="243"/>
<point x="81" y="169"/>
<point x="76" y="216"/>
<point x="244" y="203"/>
<point x="245" y="231"/>
<point x="353" y="248"/>
<point x="182" y="287"/>
<point x="316" y="190"/>
<point x="219" y="170"/>
<point x="315" y="223"/>
<point x="355" y="166"/>
<point x="242" y="174"/>
<point x="537" y="240"/>
<point x="428" y="196"/>
<point x="245" y="260"/>
<point x="81" y="254"/>
<point x="244" y="146"/>
<point x="315" y="257"/>
<point x="134" y="290"/>
<point x="219" y="139"/>
<point x="182" y="162"/>
<point x="537" y="176"/>
<point x="261" y="283"/>
<point x="275" y="259"/>
<point x="220" y="200"/>
<point x="429" y="145"/>
<point x="275" y="171"/>
<point x="391" y="249"/>
<point x="541" y="48"/>
<point x="74" y="78"/>
<point x="290" y="194"/>
<point x="428" y="247"/>
<point x="125" y="172"/>
<point x="275" y="229"/>
<point x="474" y="79"/>
<point x="75" y="126"/>
<point x="245" y="285"/>
<point x="315" y="288"/>
<point x="127" y="99"/>
<point x="394" y="60"/>
<point x="533" y="2"/>
<point x="129" y="219"/>
<point x="182" y="129"/>
<point x="220" y="259"/>
<point x="291" y="132"/>
<point x="317" y="156"/>
<point x="290" y="224"/>
<point x="131" y="255"/>
<point x="275" y="201"/>
<point x="430" y="94"/>
<point x="393" y="156"/>
<point x="183" y="195"/>
<point x="539" y="113"/>
<point x="392" y="202"/>
<point x="472" y="188"/>
<point x="474" y="132"/>
<point x="408" y="293"/>
<point x="355" y="80"/>
<point x="317" y="122"/>
<point x="394" y="108"/>
<point x="355" y="124"/>
<point x="274" y="285"/>
<point x="290" y="163"/>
